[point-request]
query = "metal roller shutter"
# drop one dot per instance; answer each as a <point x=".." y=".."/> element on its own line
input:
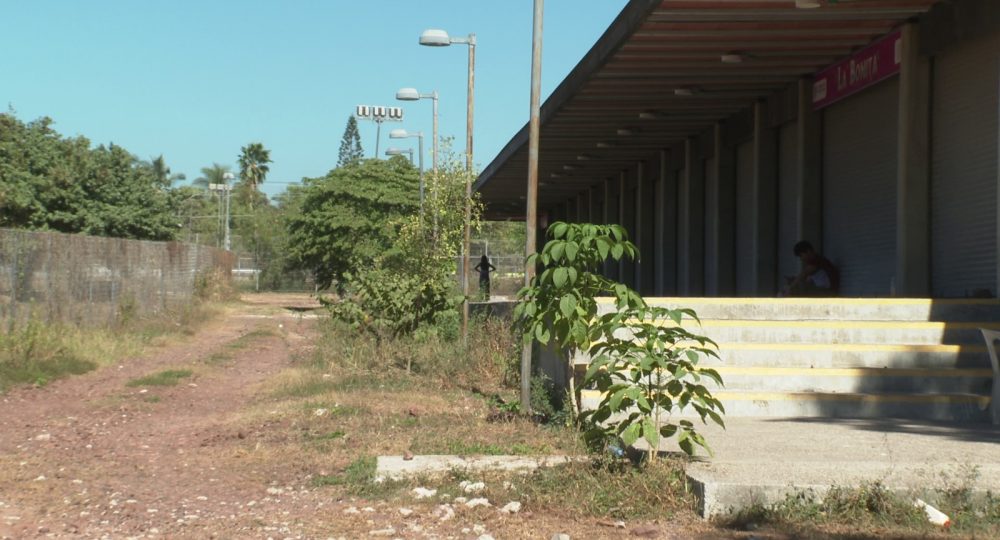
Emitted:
<point x="744" y="220"/>
<point x="788" y="145"/>
<point x="859" y="189"/>
<point x="964" y="169"/>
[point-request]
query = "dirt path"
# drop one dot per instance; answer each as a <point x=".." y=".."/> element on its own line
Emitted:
<point x="91" y="457"/>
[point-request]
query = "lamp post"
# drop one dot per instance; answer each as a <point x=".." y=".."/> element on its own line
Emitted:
<point x="411" y="94"/>
<point x="403" y="134"/>
<point x="225" y="189"/>
<point x="440" y="38"/>
<point x="393" y="151"/>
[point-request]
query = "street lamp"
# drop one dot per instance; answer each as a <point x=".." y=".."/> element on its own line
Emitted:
<point x="440" y="38"/>
<point x="411" y="94"/>
<point x="227" y="189"/>
<point x="403" y="134"/>
<point x="393" y="151"/>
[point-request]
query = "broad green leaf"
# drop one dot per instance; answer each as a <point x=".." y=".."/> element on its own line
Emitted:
<point x="631" y="434"/>
<point x="542" y="334"/>
<point x="559" y="229"/>
<point x="616" y="251"/>
<point x="567" y="305"/>
<point x="650" y="433"/>
<point x="572" y="248"/>
<point x="558" y="247"/>
<point x="559" y="277"/>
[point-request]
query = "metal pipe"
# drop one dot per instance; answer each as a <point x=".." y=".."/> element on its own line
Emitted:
<point x="531" y="221"/>
<point x="420" y="147"/>
<point x="434" y="143"/>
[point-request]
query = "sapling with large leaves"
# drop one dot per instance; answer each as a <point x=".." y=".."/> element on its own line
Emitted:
<point x="644" y="361"/>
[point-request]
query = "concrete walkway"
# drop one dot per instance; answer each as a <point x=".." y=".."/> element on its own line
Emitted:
<point x="762" y="460"/>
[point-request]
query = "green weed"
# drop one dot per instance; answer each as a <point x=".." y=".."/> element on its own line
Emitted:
<point x="169" y="377"/>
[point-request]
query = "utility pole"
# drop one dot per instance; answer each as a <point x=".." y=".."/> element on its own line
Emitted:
<point x="531" y="221"/>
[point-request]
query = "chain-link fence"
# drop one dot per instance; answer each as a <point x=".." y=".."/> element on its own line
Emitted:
<point x="92" y="280"/>
<point x="505" y="281"/>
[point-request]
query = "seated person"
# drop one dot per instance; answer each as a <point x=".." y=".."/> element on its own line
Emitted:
<point x="819" y="277"/>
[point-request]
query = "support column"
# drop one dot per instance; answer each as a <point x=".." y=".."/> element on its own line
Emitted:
<point x="661" y="227"/>
<point x="639" y="235"/>
<point x="623" y="209"/>
<point x="595" y="203"/>
<point x="583" y="207"/>
<point x="765" y="207"/>
<point x="610" y="268"/>
<point x="725" y="161"/>
<point x="913" y="169"/>
<point x="712" y="220"/>
<point x="691" y="224"/>
<point x="809" y="198"/>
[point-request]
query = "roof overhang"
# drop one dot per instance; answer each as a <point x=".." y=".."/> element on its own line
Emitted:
<point x="657" y="77"/>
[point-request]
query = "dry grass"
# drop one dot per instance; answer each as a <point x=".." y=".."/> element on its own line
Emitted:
<point x="35" y="352"/>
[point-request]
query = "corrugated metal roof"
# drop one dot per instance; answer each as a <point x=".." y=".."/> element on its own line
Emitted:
<point x="656" y="50"/>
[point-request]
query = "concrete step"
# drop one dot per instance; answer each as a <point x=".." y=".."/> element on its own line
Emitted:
<point x="940" y="407"/>
<point x="845" y="309"/>
<point x="846" y="355"/>
<point x="851" y="380"/>
<point x="836" y="332"/>
<point x="858" y="380"/>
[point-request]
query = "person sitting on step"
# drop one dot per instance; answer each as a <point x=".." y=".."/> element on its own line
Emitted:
<point x="818" y="278"/>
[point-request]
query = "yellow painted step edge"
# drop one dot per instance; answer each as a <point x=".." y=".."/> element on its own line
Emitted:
<point x="689" y="301"/>
<point x="844" y="372"/>
<point x="726" y="396"/>
<point x="837" y="325"/>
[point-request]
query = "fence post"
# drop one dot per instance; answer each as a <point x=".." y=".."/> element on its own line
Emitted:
<point x="165" y="254"/>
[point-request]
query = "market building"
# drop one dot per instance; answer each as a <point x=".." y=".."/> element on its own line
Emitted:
<point x="721" y="132"/>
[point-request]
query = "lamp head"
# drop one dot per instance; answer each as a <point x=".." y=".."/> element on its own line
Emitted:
<point x="407" y="94"/>
<point x="398" y="134"/>
<point x="394" y="151"/>
<point x="435" y="38"/>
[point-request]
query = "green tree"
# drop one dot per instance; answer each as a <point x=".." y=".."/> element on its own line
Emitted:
<point x="352" y="216"/>
<point x="350" y="144"/>
<point x="162" y="172"/>
<point x="49" y="182"/>
<point x="254" y="159"/>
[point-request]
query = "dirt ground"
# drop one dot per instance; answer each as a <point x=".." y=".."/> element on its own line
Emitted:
<point x="91" y="457"/>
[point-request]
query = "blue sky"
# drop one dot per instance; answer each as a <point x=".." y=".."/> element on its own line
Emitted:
<point x="196" y="80"/>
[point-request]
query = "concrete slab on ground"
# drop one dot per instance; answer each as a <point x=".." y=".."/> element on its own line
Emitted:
<point x="397" y="467"/>
<point x="763" y="460"/>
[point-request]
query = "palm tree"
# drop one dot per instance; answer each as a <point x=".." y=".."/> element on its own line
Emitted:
<point x="216" y="174"/>
<point x="253" y="166"/>
<point x="162" y="172"/>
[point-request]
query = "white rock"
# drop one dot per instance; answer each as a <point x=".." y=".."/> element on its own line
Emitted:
<point x="352" y="510"/>
<point x="478" y="528"/>
<point x="472" y="487"/>
<point x="405" y="512"/>
<point x="460" y="500"/>
<point x="444" y="512"/>
<point x="275" y="491"/>
<point x="40" y="478"/>
<point x="320" y="412"/>
<point x="43" y="437"/>
<point x="479" y="501"/>
<point x="560" y="536"/>
<point x="368" y="509"/>
<point x="383" y="532"/>
<point x="512" y="507"/>
<point x="424" y="493"/>
<point x="485" y="537"/>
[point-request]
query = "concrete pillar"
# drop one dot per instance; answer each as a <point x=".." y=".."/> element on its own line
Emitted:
<point x="624" y="210"/>
<point x="595" y="203"/>
<point x="691" y="224"/>
<point x="809" y="200"/>
<point x="665" y="229"/>
<point x="725" y="162"/>
<point x="712" y="219"/>
<point x="610" y="268"/>
<point x="583" y="207"/>
<point x="765" y="207"/>
<point x="639" y="235"/>
<point x="913" y="170"/>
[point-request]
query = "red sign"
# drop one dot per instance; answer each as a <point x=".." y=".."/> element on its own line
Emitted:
<point x="871" y="65"/>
